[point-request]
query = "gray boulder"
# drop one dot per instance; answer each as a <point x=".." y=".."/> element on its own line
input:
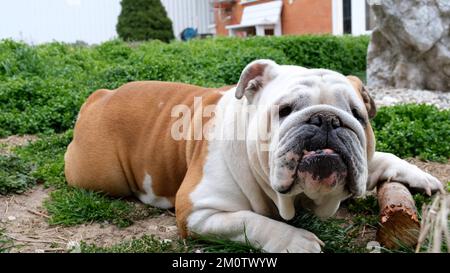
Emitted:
<point x="410" y="47"/>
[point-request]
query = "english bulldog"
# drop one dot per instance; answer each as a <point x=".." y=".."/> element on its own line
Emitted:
<point x="203" y="152"/>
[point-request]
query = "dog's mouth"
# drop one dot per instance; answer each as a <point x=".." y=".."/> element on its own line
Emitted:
<point x="322" y="168"/>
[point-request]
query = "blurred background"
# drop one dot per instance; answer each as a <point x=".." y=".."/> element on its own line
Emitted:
<point x="95" y="21"/>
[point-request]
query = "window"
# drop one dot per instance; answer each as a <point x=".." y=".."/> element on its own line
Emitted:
<point x="269" y="32"/>
<point x="347" y="8"/>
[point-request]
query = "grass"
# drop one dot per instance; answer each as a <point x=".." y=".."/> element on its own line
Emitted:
<point x="152" y="244"/>
<point x="15" y="175"/>
<point x="71" y="206"/>
<point x="410" y="130"/>
<point x="5" y="243"/>
<point x="217" y="244"/>
<point x="144" y="244"/>
<point x="47" y="156"/>
<point x="339" y="235"/>
<point x="42" y="88"/>
<point x="43" y="162"/>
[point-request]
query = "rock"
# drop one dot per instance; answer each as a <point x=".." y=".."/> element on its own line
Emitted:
<point x="172" y="228"/>
<point x="410" y="47"/>
<point x="390" y="96"/>
<point x="73" y="247"/>
<point x="12" y="218"/>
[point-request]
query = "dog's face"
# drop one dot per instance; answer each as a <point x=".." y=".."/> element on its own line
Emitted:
<point x="323" y="135"/>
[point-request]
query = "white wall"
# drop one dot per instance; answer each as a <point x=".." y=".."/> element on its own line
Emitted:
<point x="337" y="17"/>
<point x="189" y="13"/>
<point x="358" y="17"/>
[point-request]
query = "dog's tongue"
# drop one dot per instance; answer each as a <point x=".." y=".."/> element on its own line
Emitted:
<point x="323" y="166"/>
<point x="318" y="152"/>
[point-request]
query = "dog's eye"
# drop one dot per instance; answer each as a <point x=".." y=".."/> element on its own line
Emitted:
<point x="285" y="111"/>
<point x="357" y="115"/>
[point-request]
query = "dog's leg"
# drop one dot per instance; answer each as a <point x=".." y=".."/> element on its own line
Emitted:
<point x="211" y="202"/>
<point x="260" y="231"/>
<point x="204" y="212"/>
<point x="386" y="166"/>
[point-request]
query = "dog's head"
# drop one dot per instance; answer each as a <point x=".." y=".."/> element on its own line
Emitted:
<point x="320" y="146"/>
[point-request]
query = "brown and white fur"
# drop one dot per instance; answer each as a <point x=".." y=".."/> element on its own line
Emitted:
<point x="123" y="145"/>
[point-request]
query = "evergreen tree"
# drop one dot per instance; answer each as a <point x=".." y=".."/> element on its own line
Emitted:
<point x="142" y="20"/>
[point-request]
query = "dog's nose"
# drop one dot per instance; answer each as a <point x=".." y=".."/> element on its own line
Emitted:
<point x="327" y="120"/>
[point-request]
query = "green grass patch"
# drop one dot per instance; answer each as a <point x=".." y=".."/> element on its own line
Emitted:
<point x="337" y="234"/>
<point x="15" y="174"/>
<point x="42" y="87"/>
<point x="43" y="161"/>
<point x="411" y="130"/>
<point x="421" y="200"/>
<point x="151" y="244"/>
<point x="367" y="205"/>
<point x="72" y="206"/>
<point x="5" y="243"/>
<point x="144" y="244"/>
<point x="218" y="244"/>
<point x="47" y="156"/>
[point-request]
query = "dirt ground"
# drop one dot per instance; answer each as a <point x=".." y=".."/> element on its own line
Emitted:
<point x="6" y="144"/>
<point x="24" y="220"/>
<point x="440" y="170"/>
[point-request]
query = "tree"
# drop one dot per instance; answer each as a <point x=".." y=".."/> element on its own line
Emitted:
<point x="142" y="20"/>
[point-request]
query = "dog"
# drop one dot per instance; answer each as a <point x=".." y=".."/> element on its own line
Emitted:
<point x="202" y="151"/>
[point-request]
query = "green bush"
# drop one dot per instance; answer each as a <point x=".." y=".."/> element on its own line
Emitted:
<point x="15" y="175"/>
<point x="42" y="87"/>
<point x="47" y="156"/>
<point x="414" y="130"/>
<point x="142" y="20"/>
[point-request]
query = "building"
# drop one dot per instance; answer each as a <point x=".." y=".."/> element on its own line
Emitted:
<point x="291" y="17"/>
<point x="94" y="21"/>
<point x="197" y="14"/>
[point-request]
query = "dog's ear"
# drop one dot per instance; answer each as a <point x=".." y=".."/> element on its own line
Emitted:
<point x="365" y="96"/>
<point x="254" y="77"/>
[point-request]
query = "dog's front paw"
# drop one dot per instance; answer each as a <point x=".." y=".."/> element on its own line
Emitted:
<point x="304" y="242"/>
<point x="413" y="177"/>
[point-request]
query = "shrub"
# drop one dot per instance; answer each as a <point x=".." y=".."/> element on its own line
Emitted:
<point x="142" y="20"/>
<point x="47" y="156"/>
<point x="42" y="87"/>
<point x="414" y="130"/>
<point x="14" y="175"/>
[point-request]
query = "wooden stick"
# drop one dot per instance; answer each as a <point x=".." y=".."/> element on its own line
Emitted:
<point x="398" y="216"/>
<point x="38" y="213"/>
<point x="32" y="240"/>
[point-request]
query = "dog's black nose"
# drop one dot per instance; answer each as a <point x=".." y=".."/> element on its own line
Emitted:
<point x="327" y="120"/>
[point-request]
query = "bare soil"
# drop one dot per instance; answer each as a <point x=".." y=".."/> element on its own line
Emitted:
<point x="25" y="222"/>
<point x="8" y="143"/>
